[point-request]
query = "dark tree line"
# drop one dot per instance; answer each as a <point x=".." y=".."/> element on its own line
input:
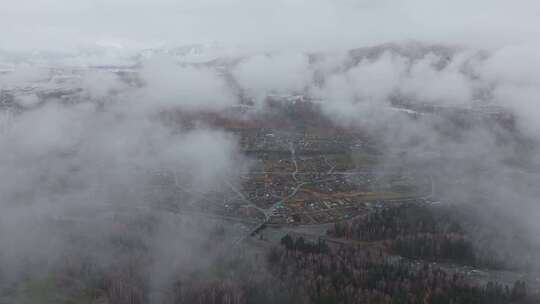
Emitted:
<point x="300" y="271"/>
<point x="435" y="247"/>
<point x="301" y="245"/>
<point x="389" y="223"/>
<point x="416" y="231"/>
<point x="354" y="275"/>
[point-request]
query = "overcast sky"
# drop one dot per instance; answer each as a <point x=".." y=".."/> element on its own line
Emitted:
<point x="276" y="24"/>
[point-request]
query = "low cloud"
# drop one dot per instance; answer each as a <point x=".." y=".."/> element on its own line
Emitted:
<point x="167" y="85"/>
<point x="82" y="158"/>
<point x="274" y="74"/>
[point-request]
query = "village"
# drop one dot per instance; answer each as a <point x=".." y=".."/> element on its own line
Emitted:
<point x="299" y="179"/>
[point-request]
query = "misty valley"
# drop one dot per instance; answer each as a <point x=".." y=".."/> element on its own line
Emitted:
<point x="397" y="173"/>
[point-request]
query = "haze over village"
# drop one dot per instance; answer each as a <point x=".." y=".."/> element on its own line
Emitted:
<point x="289" y="151"/>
